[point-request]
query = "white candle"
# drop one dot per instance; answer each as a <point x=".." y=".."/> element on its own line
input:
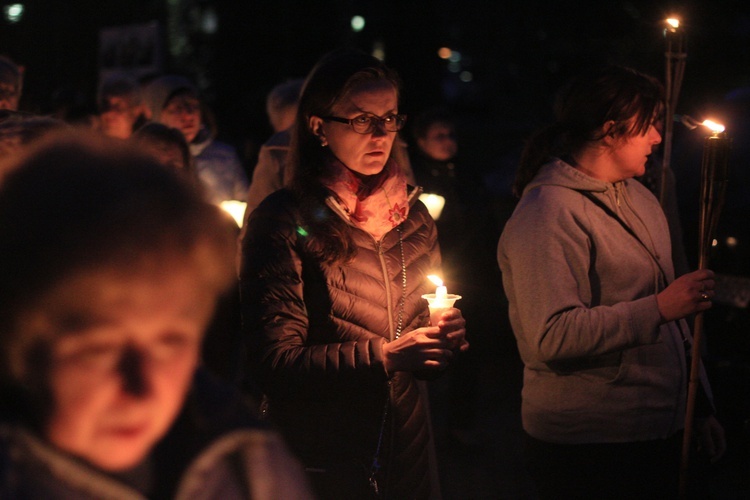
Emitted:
<point x="440" y="301"/>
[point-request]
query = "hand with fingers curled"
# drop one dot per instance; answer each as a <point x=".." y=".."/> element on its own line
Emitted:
<point x="711" y="438"/>
<point x="689" y="294"/>
<point x="453" y="327"/>
<point x="423" y="348"/>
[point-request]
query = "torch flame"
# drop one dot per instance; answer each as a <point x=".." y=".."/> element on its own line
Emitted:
<point x="435" y="279"/>
<point x="716" y="128"/>
<point x="673" y="22"/>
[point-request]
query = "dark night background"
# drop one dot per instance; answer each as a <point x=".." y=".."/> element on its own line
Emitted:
<point x="517" y="53"/>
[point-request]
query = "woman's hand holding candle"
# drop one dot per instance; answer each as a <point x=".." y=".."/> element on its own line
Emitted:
<point x="453" y="327"/>
<point x="444" y="315"/>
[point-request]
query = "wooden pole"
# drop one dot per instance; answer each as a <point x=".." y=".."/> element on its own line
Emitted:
<point x="675" y="57"/>
<point x="714" y="171"/>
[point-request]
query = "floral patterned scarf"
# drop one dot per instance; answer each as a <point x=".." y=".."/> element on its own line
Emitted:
<point x="375" y="203"/>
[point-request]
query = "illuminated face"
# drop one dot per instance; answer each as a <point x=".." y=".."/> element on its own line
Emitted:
<point x="439" y="143"/>
<point x="118" y="117"/>
<point x="629" y="154"/>
<point x="122" y="365"/>
<point x="183" y="112"/>
<point x="363" y="153"/>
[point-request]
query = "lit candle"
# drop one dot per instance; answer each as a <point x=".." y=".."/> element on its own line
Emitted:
<point x="441" y="292"/>
<point x="439" y="301"/>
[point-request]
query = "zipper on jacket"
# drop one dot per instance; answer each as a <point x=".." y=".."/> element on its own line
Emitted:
<point x="617" y="193"/>
<point x="388" y="298"/>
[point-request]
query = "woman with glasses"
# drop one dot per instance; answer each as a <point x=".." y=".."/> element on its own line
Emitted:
<point x="333" y="270"/>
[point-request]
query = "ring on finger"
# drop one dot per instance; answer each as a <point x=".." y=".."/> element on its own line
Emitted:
<point x="704" y="296"/>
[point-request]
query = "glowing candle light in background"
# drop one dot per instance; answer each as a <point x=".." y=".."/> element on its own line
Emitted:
<point x="434" y="204"/>
<point x="234" y="208"/>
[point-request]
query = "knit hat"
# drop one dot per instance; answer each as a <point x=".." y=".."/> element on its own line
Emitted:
<point x="158" y="93"/>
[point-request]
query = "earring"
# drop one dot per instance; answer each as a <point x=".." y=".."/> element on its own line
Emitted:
<point x="323" y="142"/>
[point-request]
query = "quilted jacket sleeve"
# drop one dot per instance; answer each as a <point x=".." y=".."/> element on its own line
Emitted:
<point x="283" y="354"/>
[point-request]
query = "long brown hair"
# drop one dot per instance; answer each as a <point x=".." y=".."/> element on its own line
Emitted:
<point x="630" y="99"/>
<point x="332" y="79"/>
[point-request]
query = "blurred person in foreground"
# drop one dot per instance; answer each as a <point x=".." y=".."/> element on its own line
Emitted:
<point x="332" y="275"/>
<point x="596" y="310"/>
<point x="111" y="268"/>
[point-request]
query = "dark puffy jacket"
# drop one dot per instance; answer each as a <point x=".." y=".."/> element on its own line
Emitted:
<point x="315" y="336"/>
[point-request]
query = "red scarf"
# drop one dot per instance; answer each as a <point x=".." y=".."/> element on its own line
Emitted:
<point x="375" y="203"/>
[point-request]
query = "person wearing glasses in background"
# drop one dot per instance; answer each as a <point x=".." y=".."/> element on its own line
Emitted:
<point x="332" y="273"/>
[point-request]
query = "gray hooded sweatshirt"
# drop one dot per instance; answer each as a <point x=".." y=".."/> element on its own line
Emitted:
<point x="582" y="262"/>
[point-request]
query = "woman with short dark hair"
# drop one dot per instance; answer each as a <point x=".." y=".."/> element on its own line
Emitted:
<point x="598" y="315"/>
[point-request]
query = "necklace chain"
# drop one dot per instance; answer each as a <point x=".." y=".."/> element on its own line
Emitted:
<point x="403" y="284"/>
<point x="376" y="459"/>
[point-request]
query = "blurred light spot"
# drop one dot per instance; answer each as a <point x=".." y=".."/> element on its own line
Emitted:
<point x="14" y="12"/>
<point x="210" y="21"/>
<point x="358" y="23"/>
<point x="714" y="242"/>
<point x="301" y="231"/>
<point x="378" y="51"/>
<point x="454" y="67"/>
<point x="444" y="52"/>
<point x="234" y="208"/>
<point x="466" y="76"/>
<point x="731" y="241"/>
<point x="434" y="203"/>
<point x="455" y="56"/>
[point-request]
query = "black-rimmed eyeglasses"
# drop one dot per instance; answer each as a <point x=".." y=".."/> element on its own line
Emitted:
<point x="365" y="124"/>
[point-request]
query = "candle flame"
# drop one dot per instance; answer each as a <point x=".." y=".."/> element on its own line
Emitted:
<point x="673" y="22"/>
<point x="716" y="128"/>
<point x="435" y="279"/>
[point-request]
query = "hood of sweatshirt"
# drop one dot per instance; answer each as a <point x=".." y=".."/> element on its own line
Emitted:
<point x="162" y="89"/>
<point x="559" y="173"/>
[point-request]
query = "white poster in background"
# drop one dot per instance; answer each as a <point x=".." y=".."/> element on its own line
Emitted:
<point x="134" y="49"/>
